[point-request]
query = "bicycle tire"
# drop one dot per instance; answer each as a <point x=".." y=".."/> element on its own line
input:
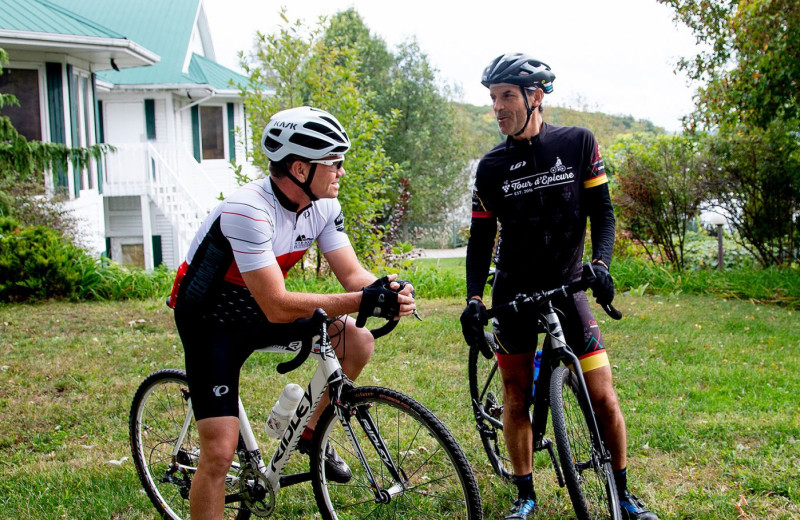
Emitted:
<point x="588" y="474"/>
<point x="158" y="412"/>
<point x="486" y="389"/>
<point x="437" y="479"/>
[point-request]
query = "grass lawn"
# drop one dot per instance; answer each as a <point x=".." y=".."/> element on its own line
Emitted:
<point x="709" y="389"/>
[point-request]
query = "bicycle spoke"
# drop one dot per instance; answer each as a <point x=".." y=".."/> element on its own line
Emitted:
<point x="432" y="484"/>
<point x="158" y="415"/>
<point x="587" y="475"/>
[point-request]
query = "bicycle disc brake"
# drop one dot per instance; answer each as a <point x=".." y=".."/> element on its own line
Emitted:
<point x="492" y="407"/>
<point x="257" y="493"/>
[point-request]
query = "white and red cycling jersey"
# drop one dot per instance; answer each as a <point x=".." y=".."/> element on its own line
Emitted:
<point x="257" y="226"/>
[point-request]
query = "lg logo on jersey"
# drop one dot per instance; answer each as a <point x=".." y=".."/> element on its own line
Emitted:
<point x="221" y="390"/>
<point x="518" y="166"/>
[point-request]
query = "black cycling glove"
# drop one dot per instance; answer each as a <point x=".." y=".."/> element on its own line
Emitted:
<point x="473" y="319"/>
<point x="603" y="285"/>
<point x="378" y="299"/>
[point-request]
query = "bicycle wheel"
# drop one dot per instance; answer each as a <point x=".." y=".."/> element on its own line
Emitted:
<point x="486" y="389"/>
<point x="158" y="413"/>
<point x="586" y="465"/>
<point x="433" y="477"/>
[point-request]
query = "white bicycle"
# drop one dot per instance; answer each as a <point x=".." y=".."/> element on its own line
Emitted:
<point x="404" y="461"/>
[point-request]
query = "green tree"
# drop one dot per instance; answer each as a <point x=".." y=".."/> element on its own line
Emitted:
<point x="750" y="79"/>
<point x="433" y="138"/>
<point x="757" y="182"/>
<point x="658" y="188"/>
<point x="750" y="70"/>
<point x="427" y="140"/>
<point x="295" y="67"/>
<point x="347" y="29"/>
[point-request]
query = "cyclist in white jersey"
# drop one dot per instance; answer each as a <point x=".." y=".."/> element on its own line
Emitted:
<point x="230" y="298"/>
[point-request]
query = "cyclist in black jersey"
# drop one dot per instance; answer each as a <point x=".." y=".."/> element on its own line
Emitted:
<point x="541" y="185"/>
<point x="230" y="299"/>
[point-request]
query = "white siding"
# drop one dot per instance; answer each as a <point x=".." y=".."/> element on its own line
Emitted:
<point x="162" y="128"/>
<point x="163" y="227"/>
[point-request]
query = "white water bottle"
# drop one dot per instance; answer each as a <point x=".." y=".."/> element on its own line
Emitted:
<point x="283" y="410"/>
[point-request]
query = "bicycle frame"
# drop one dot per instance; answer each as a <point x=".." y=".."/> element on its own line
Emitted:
<point x="555" y="351"/>
<point x="327" y="375"/>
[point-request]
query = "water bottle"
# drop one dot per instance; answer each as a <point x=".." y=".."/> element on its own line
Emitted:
<point x="283" y="410"/>
<point x="537" y="362"/>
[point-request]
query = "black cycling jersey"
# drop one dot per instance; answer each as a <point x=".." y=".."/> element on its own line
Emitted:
<point x="541" y="192"/>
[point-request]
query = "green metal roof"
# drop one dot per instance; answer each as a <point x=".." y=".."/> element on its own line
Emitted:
<point x="203" y="70"/>
<point x="165" y="27"/>
<point x="39" y="16"/>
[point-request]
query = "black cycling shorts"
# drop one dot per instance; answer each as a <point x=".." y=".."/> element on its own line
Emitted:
<point x="517" y="333"/>
<point x="215" y="354"/>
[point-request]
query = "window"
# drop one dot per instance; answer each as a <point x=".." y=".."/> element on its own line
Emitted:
<point x="27" y="117"/>
<point x="82" y="123"/>
<point x="212" y="132"/>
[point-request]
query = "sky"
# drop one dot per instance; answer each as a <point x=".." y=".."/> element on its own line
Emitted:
<point x="613" y="56"/>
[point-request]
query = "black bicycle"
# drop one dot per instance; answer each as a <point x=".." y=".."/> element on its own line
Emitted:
<point x="585" y="461"/>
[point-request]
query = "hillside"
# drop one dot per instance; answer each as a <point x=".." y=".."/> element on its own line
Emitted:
<point x="604" y="126"/>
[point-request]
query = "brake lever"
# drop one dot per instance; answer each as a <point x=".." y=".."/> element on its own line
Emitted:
<point x="403" y="283"/>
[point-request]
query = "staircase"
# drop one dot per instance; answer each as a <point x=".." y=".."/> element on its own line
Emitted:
<point x="170" y="191"/>
<point x="170" y="177"/>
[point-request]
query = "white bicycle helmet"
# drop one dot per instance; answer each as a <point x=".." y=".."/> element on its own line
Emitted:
<point x="307" y="132"/>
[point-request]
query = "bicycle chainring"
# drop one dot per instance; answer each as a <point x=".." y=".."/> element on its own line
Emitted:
<point x="257" y="493"/>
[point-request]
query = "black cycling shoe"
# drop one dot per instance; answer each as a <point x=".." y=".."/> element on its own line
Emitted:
<point x="336" y="470"/>
<point x="633" y="509"/>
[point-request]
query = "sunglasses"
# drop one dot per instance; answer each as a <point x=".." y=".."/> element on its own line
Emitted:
<point x="329" y="162"/>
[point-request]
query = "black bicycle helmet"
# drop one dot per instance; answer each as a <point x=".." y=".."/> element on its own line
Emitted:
<point x="519" y="69"/>
<point x="523" y="71"/>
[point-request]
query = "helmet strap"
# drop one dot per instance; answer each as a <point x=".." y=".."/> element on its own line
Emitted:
<point x="528" y="108"/>
<point x="306" y="186"/>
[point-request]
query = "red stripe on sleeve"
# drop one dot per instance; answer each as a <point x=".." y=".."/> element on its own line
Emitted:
<point x="482" y="214"/>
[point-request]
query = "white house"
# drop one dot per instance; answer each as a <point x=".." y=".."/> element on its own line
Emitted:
<point x="142" y="77"/>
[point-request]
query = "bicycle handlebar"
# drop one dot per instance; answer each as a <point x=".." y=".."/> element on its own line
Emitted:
<point x="315" y="323"/>
<point x="303" y="326"/>
<point x="538" y="298"/>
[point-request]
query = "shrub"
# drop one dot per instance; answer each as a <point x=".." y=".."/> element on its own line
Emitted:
<point x="37" y="262"/>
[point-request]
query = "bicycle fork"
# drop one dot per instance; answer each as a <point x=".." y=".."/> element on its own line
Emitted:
<point x="541" y="410"/>
<point x="344" y="412"/>
<point x="559" y="350"/>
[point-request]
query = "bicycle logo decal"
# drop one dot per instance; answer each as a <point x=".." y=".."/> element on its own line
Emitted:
<point x="558" y="167"/>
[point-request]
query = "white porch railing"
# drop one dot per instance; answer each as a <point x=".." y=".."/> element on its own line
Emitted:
<point x="172" y="179"/>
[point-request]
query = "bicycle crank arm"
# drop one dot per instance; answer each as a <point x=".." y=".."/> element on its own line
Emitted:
<point x="297" y="478"/>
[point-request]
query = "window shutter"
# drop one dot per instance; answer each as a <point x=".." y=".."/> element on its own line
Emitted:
<point x="55" y="105"/>
<point x="196" y="133"/>
<point x="231" y="134"/>
<point x="150" y="118"/>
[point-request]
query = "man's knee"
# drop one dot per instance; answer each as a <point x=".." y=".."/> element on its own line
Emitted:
<point x="218" y="439"/>
<point x="216" y="462"/>
<point x="357" y="345"/>
<point x="605" y="403"/>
